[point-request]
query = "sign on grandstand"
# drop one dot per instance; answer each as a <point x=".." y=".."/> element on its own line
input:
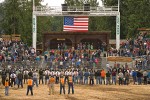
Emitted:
<point x="120" y="59"/>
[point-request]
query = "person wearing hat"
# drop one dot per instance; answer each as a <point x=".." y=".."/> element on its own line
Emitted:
<point x="51" y="83"/>
<point x="62" y="84"/>
<point x="70" y="84"/>
<point x="6" y="87"/>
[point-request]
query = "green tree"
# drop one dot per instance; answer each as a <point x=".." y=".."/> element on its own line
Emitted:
<point x="17" y="18"/>
<point x="134" y="14"/>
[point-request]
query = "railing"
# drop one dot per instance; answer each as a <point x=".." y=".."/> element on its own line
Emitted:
<point x="76" y="9"/>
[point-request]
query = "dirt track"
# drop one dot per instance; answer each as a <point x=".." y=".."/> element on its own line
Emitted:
<point x="82" y="92"/>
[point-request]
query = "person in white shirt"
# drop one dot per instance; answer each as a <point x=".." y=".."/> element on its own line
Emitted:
<point x="76" y="76"/>
<point x="47" y="73"/>
<point x="35" y="76"/>
<point x="52" y="73"/>
<point x="25" y="73"/>
<point x="57" y="74"/>
<point x="66" y="75"/>
<point x="13" y="77"/>
<point x="108" y="67"/>
<point x="62" y="73"/>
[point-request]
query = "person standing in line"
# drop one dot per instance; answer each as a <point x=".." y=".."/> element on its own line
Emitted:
<point x="76" y="76"/>
<point x="120" y="76"/>
<point x="30" y="86"/>
<point x="41" y="76"/>
<point x="70" y="84"/>
<point x="126" y="76"/>
<point x="57" y="76"/>
<point x="30" y="74"/>
<point x="51" y="83"/>
<point x="62" y="84"/>
<point x="20" y="78"/>
<point x="86" y="76"/>
<point x="134" y="75"/>
<point x="103" y="74"/>
<point x="35" y="76"/>
<point x="13" y="77"/>
<point x="145" y="74"/>
<point x="114" y="77"/>
<point x="6" y="87"/>
<point x="139" y="77"/>
<point x="80" y="77"/>
<point x="96" y="77"/>
<point x="108" y="75"/>
<point x="46" y="76"/>
<point x="66" y="75"/>
<point x="4" y="76"/>
<point x="25" y="75"/>
<point x="91" y="78"/>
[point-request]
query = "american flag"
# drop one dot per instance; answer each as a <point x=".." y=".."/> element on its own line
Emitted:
<point x="76" y="24"/>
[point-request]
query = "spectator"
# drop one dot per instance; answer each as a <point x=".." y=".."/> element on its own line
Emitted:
<point x="145" y="74"/>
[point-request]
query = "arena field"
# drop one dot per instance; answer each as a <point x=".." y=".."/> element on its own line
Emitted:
<point x="82" y="92"/>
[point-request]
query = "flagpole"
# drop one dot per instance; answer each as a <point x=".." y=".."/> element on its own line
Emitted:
<point x="34" y="26"/>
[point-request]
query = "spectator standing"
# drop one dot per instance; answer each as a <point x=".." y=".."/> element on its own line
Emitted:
<point x="91" y="78"/>
<point x="114" y="77"/>
<point x="145" y="74"/>
<point x="108" y="75"/>
<point x="103" y="75"/>
<point x="47" y="73"/>
<point x="35" y="76"/>
<point x="126" y="78"/>
<point x="80" y="76"/>
<point x="20" y="78"/>
<point x="3" y="76"/>
<point x="97" y="77"/>
<point x="41" y="76"/>
<point x="120" y="76"/>
<point x="86" y="76"/>
<point x="139" y="77"/>
<point x="13" y="77"/>
<point x="134" y="75"/>
<point x="25" y="75"/>
<point x="57" y="76"/>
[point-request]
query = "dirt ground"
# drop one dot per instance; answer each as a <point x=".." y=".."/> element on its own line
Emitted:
<point x="82" y="92"/>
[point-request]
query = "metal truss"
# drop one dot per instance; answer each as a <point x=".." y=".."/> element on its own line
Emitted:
<point x="76" y="11"/>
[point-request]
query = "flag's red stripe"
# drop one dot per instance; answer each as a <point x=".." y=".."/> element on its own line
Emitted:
<point x="75" y="26"/>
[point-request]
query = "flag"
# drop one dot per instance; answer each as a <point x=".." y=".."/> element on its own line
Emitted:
<point x="76" y="24"/>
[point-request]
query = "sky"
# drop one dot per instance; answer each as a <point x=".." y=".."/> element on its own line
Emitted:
<point x="1" y="1"/>
<point x="59" y="2"/>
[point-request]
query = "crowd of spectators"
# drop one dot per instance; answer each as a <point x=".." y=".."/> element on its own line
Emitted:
<point x="138" y="48"/>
